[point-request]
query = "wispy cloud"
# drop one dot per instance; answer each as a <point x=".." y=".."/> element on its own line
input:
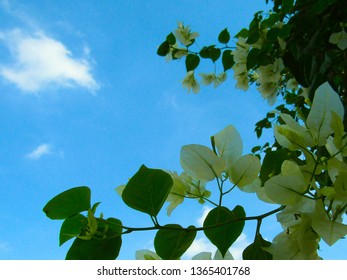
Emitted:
<point x="40" y="151"/>
<point x="40" y="61"/>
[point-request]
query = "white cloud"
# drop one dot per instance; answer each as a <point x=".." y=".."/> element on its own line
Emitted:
<point x="40" y="151"/>
<point x="201" y="244"/>
<point x="203" y="216"/>
<point x="41" y="61"/>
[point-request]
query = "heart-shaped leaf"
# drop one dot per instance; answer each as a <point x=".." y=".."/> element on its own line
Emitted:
<point x="147" y="190"/>
<point x="170" y="244"/>
<point x="223" y="226"/>
<point x="68" y="203"/>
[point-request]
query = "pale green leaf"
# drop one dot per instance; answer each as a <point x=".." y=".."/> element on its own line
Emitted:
<point x="335" y="166"/>
<point x="229" y="145"/>
<point x="289" y="138"/>
<point x="325" y="102"/>
<point x="245" y="170"/>
<point x="290" y="168"/>
<point x="285" y="189"/>
<point x="203" y="256"/>
<point x="339" y="133"/>
<point x="329" y="231"/>
<point x="146" y="255"/>
<point x="301" y="130"/>
<point x="201" y="163"/>
<point x="218" y="256"/>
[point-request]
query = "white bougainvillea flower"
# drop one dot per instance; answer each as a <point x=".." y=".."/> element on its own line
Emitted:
<point x="241" y="76"/>
<point x="190" y="82"/>
<point x="175" y="52"/>
<point x="292" y="84"/>
<point x="184" y="34"/>
<point x="210" y="78"/>
<point x="339" y="39"/>
<point x="270" y="72"/>
<point x="268" y="91"/>
<point x="207" y="78"/>
<point x="241" y="51"/>
<point x="220" y="79"/>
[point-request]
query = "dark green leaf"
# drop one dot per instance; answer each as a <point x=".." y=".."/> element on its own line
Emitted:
<point x="242" y="33"/>
<point x="171" y="39"/>
<point x="224" y="36"/>
<point x="285" y="31"/>
<point x="192" y="61"/>
<point x="68" y="203"/>
<point x="255" y="250"/>
<point x="253" y="58"/>
<point x="210" y="52"/>
<point x="171" y="244"/>
<point x="72" y="227"/>
<point x="256" y="149"/>
<point x="226" y="226"/>
<point x="105" y="247"/>
<point x="147" y="190"/>
<point x="287" y="6"/>
<point x="164" y="49"/>
<point x="273" y="33"/>
<point x="272" y="163"/>
<point x="270" y="21"/>
<point x="227" y="60"/>
<point x="320" y="6"/>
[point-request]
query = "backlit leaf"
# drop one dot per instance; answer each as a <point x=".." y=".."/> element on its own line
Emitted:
<point x="245" y="170"/>
<point x="171" y="244"/>
<point x="68" y="203"/>
<point x="229" y="226"/>
<point x="201" y="162"/>
<point x="325" y="101"/>
<point x="147" y="190"/>
<point x="229" y="145"/>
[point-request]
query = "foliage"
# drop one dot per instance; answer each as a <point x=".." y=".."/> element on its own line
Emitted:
<point x="295" y="54"/>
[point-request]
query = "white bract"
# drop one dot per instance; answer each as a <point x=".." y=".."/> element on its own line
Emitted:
<point x="184" y="34"/>
<point x="339" y="39"/>
<point x="190" y="82"/>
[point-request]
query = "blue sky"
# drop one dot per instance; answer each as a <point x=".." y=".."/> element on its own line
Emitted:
<point x="85" y="100"/>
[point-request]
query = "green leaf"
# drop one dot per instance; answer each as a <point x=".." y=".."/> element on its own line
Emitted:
<point x="147" y="190"/>
<point x="171" y="39"/>
<point x="253" y="58"/>
<point x="229" y="145"/>
<point x="285" y="189"/>
<point x="192" y="61"/>
<point x="71" y="228"/>
<point x="287" y="6"/>
<point x="68" y="203"/>
<point x="242" y="33"/>
<point x="201" y="163"/>
<point x="255" y="250"/>
<point x="273" y="33"/>
<point x="164" y="49"/>
<point x="227" y="60"/>
<point x="210" y="52"/>
<point x="224" y="36"/>
<point x="329" y="231"/>
<point x="272" y="163"/>
<point x="171" y="244"/>
<point x="228" y="226"/>
<point x="245" y="170"/>
<point x="325" y="101"/>
<point x="106" y="248"/>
